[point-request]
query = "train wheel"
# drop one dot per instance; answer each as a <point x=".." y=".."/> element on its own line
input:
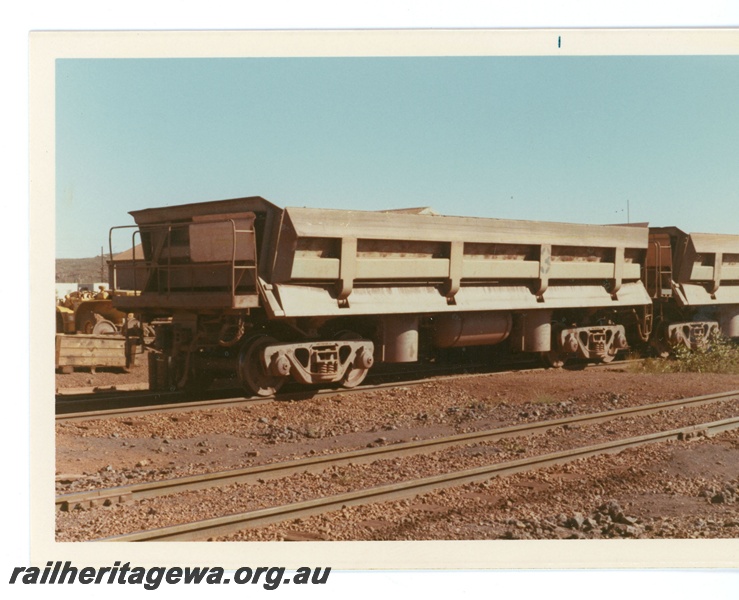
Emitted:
<point x="251" y="372"/>
<point x="354" y="375"/>
<point x="661" y="348"/>
<point x="554" y="359"/>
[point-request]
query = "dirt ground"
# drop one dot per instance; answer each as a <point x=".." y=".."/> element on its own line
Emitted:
<point x="677" y="490"/>
<point x="103" y="377"/>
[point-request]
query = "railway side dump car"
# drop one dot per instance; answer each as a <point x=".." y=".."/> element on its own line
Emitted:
<point x="694" y="281"/>
<point x="243" y="286"/>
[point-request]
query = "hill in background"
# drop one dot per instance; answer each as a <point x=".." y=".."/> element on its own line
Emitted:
<point x="81" y="270"/>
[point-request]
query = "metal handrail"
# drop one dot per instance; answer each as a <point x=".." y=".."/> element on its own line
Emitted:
<point x="113" y="284"/>
<point x="154" y="265"/>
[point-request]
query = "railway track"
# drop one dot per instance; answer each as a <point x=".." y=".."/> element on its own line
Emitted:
<point x="146" y="404"/>
<point x="80" y="407"/>
<point x="261" y="517"/>
<point x="219" y="526"/>
<point x="111" y="403"/>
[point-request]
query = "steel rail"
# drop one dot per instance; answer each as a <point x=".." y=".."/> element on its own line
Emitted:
<point x="138" y="404"/>
<point x="74" y="407"/>
<point x="363" y="456"/>
<point x="232" y="401"/>
<point x="219" y="526"/>
<point x="143" y="409"/>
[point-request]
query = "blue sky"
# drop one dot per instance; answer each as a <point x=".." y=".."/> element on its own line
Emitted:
<point x="569" y="139"/>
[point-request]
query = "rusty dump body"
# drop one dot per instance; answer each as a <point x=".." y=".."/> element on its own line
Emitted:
<point x="694" y="282"/>
<point x="320" y="295"/>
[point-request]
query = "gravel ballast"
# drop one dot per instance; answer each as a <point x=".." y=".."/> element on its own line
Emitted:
<point x="625" y="495"/>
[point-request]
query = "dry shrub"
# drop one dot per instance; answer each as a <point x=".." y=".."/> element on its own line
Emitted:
<point x="719" y="355"/>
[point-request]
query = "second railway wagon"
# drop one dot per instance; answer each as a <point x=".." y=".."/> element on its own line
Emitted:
<point x="694" y="281"/>
<point x="318" y="296"/>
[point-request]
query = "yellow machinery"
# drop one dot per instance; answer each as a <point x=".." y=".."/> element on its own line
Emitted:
<point x="91" y="333"/>
<point x="90" y="313"/>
